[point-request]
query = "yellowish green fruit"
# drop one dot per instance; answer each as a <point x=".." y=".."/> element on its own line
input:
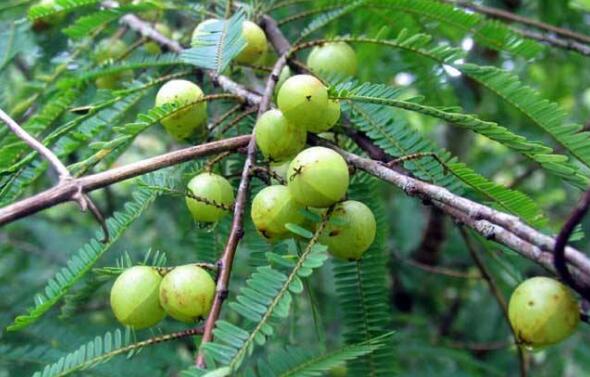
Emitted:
<point x="256" y="44"/>
<point x="211" y="187"/>
<point x="350" y="231"/>
<point x="107" y="50"/>
<point x="303" y="99"/>
<point x="135" y="297"/>
<point x="187" y="292"/>
<point x="543" y="311"/>
<point x="329" y="120"/>
<point x="338" y="371"/>
<point x="53" y="19"/>
<point x="280" y="169"/>
<point x="152" y="47"/>
<point x="272" y="208"/>
<point x="191" y="118"/>
<point x="277" y="138"/>
<point x="318" y="177"/>
<point x="336" y="58"/>
<point x="283" y="76"/>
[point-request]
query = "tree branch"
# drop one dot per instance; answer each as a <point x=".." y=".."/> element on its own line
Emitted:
<point x="64" y="175"/>
<point x="237" y="228"/>
<point x="64" y="191"/>
<point x="492" y="224"/>
<point x="559" y="262"/>
<point x="553" y="35"/>
<point x="512" y="17"/>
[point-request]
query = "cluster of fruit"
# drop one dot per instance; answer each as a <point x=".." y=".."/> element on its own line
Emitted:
<point x="141" y="297"/>
<point x="542" y="311"/>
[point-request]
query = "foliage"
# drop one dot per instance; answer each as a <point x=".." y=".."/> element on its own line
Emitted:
<point x="483" y="110"/>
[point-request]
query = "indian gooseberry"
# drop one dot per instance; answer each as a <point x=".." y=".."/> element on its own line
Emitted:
<point x="152" y="47"/>
<point x="256" y="44"/>
<point x="333" y="58"/>
<point x="330" y="118"/>
<point x="280" y="169"/>
<point x="53" y="19"/>
<point x="272" y="208"/>
<point x="318" y="177"/>
<point x="283" y="76"/>
<point x="303" y="99"/>
<point x="277" y="138"/>
<point x="111" y="49"/>
<point x="211" y="187"/>
<point x="350" y="231"/>
<point x="135" y="297"/>
<point x="543" y="311"/>
<point x="186" y="293"/>
<point x="185" y="122"/>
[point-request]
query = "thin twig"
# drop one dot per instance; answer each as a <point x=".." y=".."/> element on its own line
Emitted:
<point x="436" y="270"/>
<point x="512" y="17"/>
<point x="60" y="168"/>
<point x="237" y="119"/>
<point x="64" y="175"/>
<point x="559" y="260"/>
<point x="486" y="274"/>
<point x="64" y="191"/>
<point x="237" y="227"/>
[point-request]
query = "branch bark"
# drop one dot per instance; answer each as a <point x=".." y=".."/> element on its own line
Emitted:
<point x="237" y="228"/>
<point x="65" y="177"/>
<point x="64" y="191"/>
<point x="560" y="262"/>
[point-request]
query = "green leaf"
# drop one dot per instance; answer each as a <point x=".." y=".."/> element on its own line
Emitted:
<point x="218" y="43"/>
<point x="84" y="259"/>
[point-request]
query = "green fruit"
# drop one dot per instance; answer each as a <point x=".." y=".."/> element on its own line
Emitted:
<point x="318" y="177"/>
<point x="272" y="208"/>
<point x="543" y="311"/>
<point x="303" y="99"/>
<point x="330" y="118"/>
<point x="135" y="297"/>
<point x="107" y="50"/>
<point x="212" y="187"/>
<point x="333" y="58"/>
<point x="283" y="76"/>
<point x="280" y="169"/>
<point x="338" y="371"/>
<point x="256" y="44"/>
<point x="277" y="138"/>
<point x="154" y="48"/>
<point x="350" y="231"/>
<point x="187" y="292"/>
<point x="182" y="123"/>
<point x="52" y="19"/>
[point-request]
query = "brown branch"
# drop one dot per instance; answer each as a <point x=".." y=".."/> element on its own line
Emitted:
<point x="65" y="177"/>
<point x="492" y="224"/>
<point x="64" y="191"/>
<point x="559" y="261"/>
<point x="512" y="17"/>
<point x="436" y="270"/>
<point x="486" y="274"/>
<point x="237" y="227"/>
